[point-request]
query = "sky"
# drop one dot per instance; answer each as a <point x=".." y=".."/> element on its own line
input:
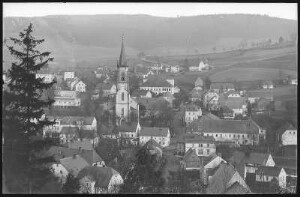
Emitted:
<point x="281" y="10"/>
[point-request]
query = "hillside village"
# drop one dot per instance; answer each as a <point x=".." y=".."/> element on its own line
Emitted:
<point x="216" y="134"/>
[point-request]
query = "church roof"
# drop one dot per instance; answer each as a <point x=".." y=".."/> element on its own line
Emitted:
<point x="122" y="60"/>
<point x="156" y="82"/>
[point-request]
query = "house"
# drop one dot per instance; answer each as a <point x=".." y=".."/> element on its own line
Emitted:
<point x="65" y="102"/>
<point x="262" y="105"/>
<point x="109" y="89"/>
<point x="196" y="95"/>
<point x="203" y="146"/>
<point x="254" y="95"/>
<point x="222" y="87"/>
<point x="84" y="144"/>
<point x="151" y="105"/>
<point x="65" y="93"/>
<point x="78" y="86"/>
<point x="237" y="104"/>
<point x="190" y="160"/>
<point x="192" y="112"/>
<point x="99" y="180"/>
<point x="72" y="164"/>
<point x="199" y="83"/>
<point x="67" y="134"/>
<point x="90" y="156"/>
<point x="141" y="94"/>
<point x="294" y="82"/>
<point x="241" y="132"/>
<point x="203" y="65"/>
<point x="249" y="163"/>
<point x="160" y="134"/>
<point x="128" y="133"/>
<point x="69" y="75"/>
<point x="84" y="123"/>
<point x="153" y="148"/>
<point x="158" y="85"/>
<point x="287" y="135"/>
<point x="224" y="177"/>
<point x="227" y="112"/>
<point x="174" y="69"/>
<point x="232" y="93"/>
<point x="267" y="173"/>
<point x="267" y="85"/>
<point x="147" y="74"/>
<point x="46" y="75"/>
<point x="211" y="100"/>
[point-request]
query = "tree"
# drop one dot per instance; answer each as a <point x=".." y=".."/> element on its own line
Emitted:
<point x="206" y="82"/>
<point x="71" y="185"/>
<point x="23" y="112"/>
<point x="107" y="149"/>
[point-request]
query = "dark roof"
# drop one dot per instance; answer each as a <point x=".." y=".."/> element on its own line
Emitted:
<point x="87" y="120"/>
<point x="221" y="85"/>
<point x="154" y="131"/>
<point x="192" y="107"/>
<point x="268" y="170"/>
<point x="127" y="127"/>
<point x="198" y="139"/>
<point x="290" y="172"/>
<point x="139" y="92"/>
<point x="286" y="126"/>
<point x="191" y="155"/>
<point x="156" y="82"/>
<point x="151" y="103"/>
<point x="84" y="144"/>
<point x="225" y="126"/>
<point x="74" y="164"/>
<point x="104" y="86"/>
<point x="285" y="162"/>
<point x="69" y="130"/>
<point x="237" y="188"/>
<point x="101" y="175"/>
<point x="62" y="152"/>
<point x="197" y="93"/>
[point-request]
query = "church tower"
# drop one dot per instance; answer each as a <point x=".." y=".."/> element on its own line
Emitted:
<point x="122" y="96"/>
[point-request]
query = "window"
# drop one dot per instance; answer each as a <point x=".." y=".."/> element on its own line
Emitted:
<point x="201" y="145"/>
<point x="216" y="135"/>
<point x="123" y="77"/>
<point x="123" y="96"/>
<point x="233" y="135"/>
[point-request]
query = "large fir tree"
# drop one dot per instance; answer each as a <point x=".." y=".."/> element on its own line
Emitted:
<point x="23" y="120"/>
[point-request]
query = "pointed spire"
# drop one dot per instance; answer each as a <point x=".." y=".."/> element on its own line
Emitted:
<point x="122" y="60"/>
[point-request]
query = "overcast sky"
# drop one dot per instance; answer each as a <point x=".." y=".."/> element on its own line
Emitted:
<point x="282" y="10"/>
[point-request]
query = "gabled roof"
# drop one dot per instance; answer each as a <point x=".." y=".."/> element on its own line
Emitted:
<point x="90" y="156"/>
<point x="197" y="93"/>
<point x="285" y="162"/>
<point x="66" y="120"/>
<point x="151" y="103"/>
<point x="156" y="82"/>
<point x="84" y="144"/>
<point x="198" y="139"/>
<point x="224" y="126"/>
<point x="74" y="164"/>
<point x="286" y="126"/>
<point x="237" y="188"/>
<point x="192" y="107"/>
<point x="154" y="131"/>
<point x="127" y="127"/>
<point x="191" y="154"/>
<point x="69" y="130"/>
<point x="139" y="92"/>
<point x="234" y="102"/>
<point x="104" y="86"/>
<point x="268" y="170"/>
<point x="199" y="82"/>
<point x="221" y="85"/>
<point x="101" y="175"/>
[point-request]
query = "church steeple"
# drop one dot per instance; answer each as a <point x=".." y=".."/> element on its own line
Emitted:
<point x="122" y="60"/>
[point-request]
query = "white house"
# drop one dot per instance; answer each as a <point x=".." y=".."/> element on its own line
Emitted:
<point x="160" y="134"/>
<point x="222" y="87"/>
<point x="203" y="146"/>
<point x="85" y="123"/>
<point x="99" y="180"/>
<point x="158" y="85"/>
<point x="202" y="66"/>
<point x="79" y="86"/>
<point x="294" y="81"/>
<point x="69" y="75"/>
<point x="232" y="93"/>
<point x="128" y="133"/>
<point x="48" y="77"/>
<point x="239" y="132"/>
<point x="192" y="112"/>
<point x="64" y="102"/>
<point x="287" y="135"/>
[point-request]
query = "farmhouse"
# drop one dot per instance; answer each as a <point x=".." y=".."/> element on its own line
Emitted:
<point x="128" y="133"/>
<point x="46" y="75"/>
<point x="158" y="85"/>
<point x="203" y="146"/>
<point x="222" y="87"/>
<point x="287" y="135"/>
<point x="95" y="180"/>
<point x="65" y="102"/>
<point x="245" y="132"/>
<point x="254" y="95"/>
<point x="192" y="112"/>
<point x="160" y="134"/>
<point x="237" y="104"/>
<point x="203" y="65"/>
<point x="69" y="75"/>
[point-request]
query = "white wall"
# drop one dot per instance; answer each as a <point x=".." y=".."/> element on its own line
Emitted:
<point x="289" y="137"/>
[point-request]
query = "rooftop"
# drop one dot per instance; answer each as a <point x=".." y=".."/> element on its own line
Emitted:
<point x="156" y="82"/>
<point x="192" y="107"/>
<point x="224" y="126"/>
<point x="74" y="164"/>
<point x="268" y="170"/>
<point x="127" y="127"/>
<point x="71" y="120"/>
<point x="154" y="131"/>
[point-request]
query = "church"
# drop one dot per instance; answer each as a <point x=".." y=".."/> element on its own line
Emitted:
<point x="124" y="103"/>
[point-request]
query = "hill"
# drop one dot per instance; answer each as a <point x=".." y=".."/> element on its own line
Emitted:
<point x="88" y="39"/>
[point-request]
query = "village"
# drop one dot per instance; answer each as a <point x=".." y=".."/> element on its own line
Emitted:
<point x="220" y="134"/>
